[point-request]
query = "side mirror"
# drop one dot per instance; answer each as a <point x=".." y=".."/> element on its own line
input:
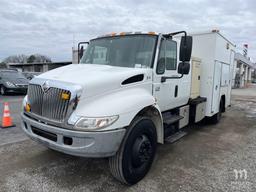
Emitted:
<point x="160" y="69"/>
<point x="80" y="50"/>
<point x="185" y="48"/>
<point x="184" y="68"/>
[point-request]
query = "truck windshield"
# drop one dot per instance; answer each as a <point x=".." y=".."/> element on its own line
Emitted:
<point x="123" y="51"/>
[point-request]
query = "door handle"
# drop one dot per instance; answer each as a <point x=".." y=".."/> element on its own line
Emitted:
<point x="164" y="78"/>
<point x="176" y="91"/>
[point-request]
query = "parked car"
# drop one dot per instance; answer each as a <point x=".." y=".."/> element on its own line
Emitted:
<point x="12" y="81"/>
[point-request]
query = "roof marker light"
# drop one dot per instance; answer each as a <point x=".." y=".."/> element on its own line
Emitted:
<point x="151" y="33"/>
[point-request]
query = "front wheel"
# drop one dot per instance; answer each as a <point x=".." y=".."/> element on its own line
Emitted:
<point x="137" y="151"/>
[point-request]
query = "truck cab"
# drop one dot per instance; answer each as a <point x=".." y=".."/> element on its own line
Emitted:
<point x="129" y="92"/>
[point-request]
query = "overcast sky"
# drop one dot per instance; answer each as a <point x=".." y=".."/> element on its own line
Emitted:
<point x="51" y="27"/>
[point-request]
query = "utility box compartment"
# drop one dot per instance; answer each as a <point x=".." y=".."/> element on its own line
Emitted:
<point x="195" y="77"/>
<point x="215" y="52"/>
<point x="197" y="109"/>
<point x="200" y="112"/>
<point x="184" y="112"/>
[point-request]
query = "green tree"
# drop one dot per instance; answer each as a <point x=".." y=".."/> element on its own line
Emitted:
<point x="31" y="59"/>
<point x="3" y="65"/>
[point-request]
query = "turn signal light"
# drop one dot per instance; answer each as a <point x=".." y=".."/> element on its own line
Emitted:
<point x="65" y="96"/>
<point x="27" y="108"/>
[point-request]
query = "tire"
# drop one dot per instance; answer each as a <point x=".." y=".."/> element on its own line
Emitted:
<point x="136" y="153"/>
<point x="216" y="118"/>
<point x="2" y="90"/>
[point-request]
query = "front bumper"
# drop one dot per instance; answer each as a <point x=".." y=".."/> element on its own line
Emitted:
<point x="85" y="144"/>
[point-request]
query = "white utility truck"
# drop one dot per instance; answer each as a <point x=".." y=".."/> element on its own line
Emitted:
<point x="129" y="92"/>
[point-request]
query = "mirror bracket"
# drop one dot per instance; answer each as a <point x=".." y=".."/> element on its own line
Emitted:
<point x="185" y="45"/>
<point x="170" y="35"/>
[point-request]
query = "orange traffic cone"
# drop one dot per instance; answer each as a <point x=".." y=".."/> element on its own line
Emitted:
<point x="7" y="120"/>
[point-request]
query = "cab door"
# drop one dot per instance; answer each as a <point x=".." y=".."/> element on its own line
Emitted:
<point x="166" y="93"/>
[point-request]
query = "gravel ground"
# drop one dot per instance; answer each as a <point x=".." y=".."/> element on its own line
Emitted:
<point x="204" y="160"/>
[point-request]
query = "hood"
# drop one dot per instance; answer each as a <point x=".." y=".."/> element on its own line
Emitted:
<point x="95" y="79"/>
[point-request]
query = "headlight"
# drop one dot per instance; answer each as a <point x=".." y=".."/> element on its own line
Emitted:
<point x="9" y="84"/>
<point x="25" y="106"/>
<point x="85" y="123"/>
<point x="25" y="100"/>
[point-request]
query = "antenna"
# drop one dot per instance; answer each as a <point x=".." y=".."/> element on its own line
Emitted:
<point x="73" y="40"/>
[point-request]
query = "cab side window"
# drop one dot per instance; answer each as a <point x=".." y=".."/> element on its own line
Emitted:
<point x="167" y="59"/>
<point x="171" y="55"/>
<point x="161" y="59"/>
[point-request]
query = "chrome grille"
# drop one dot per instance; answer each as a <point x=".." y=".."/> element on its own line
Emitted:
<point x="48" y="104"/>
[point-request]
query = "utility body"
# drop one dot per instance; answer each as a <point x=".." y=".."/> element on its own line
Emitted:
<point x="129" y="92"/>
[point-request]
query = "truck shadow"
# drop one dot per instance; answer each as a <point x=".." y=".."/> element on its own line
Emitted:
<point x="69" y="172"/>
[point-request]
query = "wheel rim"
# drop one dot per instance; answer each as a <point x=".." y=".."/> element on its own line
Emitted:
<point x="142" y="151"/>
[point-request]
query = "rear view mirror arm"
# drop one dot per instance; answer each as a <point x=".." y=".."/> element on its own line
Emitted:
<point x="169" y="35"/>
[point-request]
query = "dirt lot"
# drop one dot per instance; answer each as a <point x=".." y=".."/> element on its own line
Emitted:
<point x="204" y="160"/>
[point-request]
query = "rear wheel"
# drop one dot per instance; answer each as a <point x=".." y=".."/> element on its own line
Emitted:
<point x="2" y="90"/>
<point x="216" y="118"/>
<point x="136" y="154"/>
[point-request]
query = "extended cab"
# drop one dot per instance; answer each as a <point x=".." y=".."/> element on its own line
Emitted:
<point x="129" y="92"/>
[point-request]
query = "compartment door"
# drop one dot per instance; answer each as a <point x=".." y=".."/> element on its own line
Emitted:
<point x="196" y="75"/>
<point x="232" y="59"/>
<point x="216" y="87"/>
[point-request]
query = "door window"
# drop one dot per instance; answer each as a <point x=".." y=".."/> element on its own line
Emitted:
<point x="167" y="59"/>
